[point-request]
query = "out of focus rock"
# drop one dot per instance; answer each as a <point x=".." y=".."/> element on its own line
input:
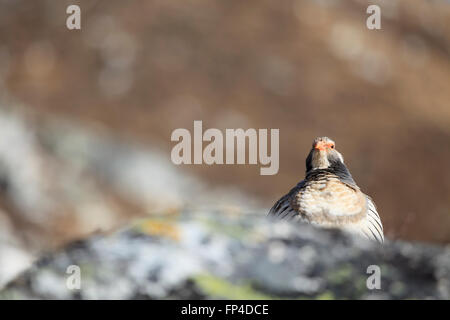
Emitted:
<point x="203" y="256"/>
<point x="60" y="180"/>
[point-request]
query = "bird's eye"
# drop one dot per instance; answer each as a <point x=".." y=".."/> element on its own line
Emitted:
<point x="332" y="146"/>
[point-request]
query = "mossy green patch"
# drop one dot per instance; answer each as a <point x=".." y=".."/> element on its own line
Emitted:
<point x="361" y="285"/>
<point x="327" y="295"/>
<point x="341" y="275"/>
<point x="234" y="231"/>
<point x="217" y="287"/>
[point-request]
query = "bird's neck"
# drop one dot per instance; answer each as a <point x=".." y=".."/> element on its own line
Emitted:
<point x="336" y="168"/>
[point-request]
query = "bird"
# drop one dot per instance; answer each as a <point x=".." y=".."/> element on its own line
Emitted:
<point x="328" y="196"/>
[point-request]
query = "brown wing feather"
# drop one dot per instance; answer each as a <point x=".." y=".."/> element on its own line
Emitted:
<point x="282" y="208"/>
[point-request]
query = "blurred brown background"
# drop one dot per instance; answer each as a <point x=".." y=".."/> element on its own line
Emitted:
<point x="140" y="69"/>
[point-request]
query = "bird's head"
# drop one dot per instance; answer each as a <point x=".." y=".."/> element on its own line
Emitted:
<point x="323" y="154"/>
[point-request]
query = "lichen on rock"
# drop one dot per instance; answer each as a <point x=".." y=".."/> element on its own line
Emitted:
<point x="203" y="256"/>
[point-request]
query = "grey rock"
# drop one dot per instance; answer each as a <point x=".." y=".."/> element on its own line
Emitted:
<point x="204" y="256"/>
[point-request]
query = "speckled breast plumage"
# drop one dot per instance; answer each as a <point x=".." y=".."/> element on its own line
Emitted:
<point x="323" y="199"/>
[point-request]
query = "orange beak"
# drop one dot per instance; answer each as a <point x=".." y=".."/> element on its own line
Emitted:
<point x="321" y="145"/>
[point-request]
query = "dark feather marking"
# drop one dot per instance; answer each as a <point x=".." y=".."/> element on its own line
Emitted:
<point x="376" y="219"/>
<point x="278" y="205"/>
<point x="308" y="161"/>
<point x="340" y="169"/>
<point x="380" y="238"/>
<point x="274" y="210"/>
<point x="374" y="236"/>
<point x="365" y="233"/>
<point x="283" y="210"/>
<point x="287" y="213"/>
<point x="370" y="201"/>
<point x="374" y="213"/>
